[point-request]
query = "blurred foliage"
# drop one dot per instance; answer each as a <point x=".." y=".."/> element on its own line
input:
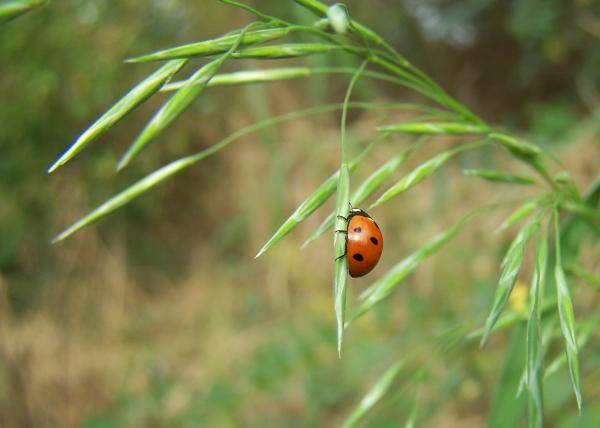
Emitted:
<point x="62" y="65"/>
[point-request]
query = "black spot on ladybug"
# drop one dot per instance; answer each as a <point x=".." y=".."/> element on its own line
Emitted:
<point x="374" y="240"/>
<point x="358" y="257"/>
<point x="357" y="229"/>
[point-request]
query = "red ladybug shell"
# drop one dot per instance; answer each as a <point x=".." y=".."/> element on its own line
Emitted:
<point x="364" y="243"/>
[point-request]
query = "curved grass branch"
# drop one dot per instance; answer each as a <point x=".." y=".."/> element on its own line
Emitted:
<point x="171" y="169"/>
<point x="340" y="272"/>
<point x="179" y="102"/>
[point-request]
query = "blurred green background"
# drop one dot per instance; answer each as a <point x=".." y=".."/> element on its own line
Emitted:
<point x="160" y="317"/>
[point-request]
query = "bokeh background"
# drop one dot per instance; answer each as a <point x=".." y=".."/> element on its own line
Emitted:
<point x="159" y="316"/>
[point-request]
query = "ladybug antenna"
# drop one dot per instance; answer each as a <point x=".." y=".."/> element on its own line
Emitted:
<point x="350" y="205"/>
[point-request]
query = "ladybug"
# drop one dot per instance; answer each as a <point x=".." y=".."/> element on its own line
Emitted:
<point x="364" y="242"/>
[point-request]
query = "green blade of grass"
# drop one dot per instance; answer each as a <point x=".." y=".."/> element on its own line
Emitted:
<point x="585" y="330"/>
<point x="436" y="128"/>
<point x="566" y="316"/>
<point x="368" y="186"/>
<point x="340" y="269"/>
<point x="509" y="319"/>
<point x="170" y="110"/>
<point x="275" y="74"/>
<point x="178" y="102"/>
<point x="12" y="8"/>
<point x="215" y="46"/>
<point x="376" y="393"/>
<point x="499" y="176"/>
<point x="312" y="202"/>
<point x="173" y="168"/>
<point x="340" y="278"/>
<point x="140" y="93"/>
<point x="246" y="77"/>
<point x="423" y="171"/>
<point x="535" y="350"/>
<point x="523" y="211"/>
<point x="516" y="146"/>
<point x="126" y="196"/>
<point x="386" y="284"/>
<point x="511" y="266"/>
<point x="284" y="51"/>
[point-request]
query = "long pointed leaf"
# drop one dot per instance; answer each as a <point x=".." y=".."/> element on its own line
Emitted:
<point x="290" y="50"/>
<point x="436" y="128"/>
<point x="377" y="391"/>
<point x="340" y="278"/>
<point x="140" y="93"/>
<point x="246" y="77"/>
<point x="127" y="195"/>
<point x="516" y="146"/>
<point x="179" y="101"/>
<point x="423" y="171"/>
<point x="215" y="46"/>
<point x="535" y="349"/>
<point x="511" y="266"/>
<point x="340" y="271"/>
<point x="567" y="318"/>
<point x="170" y="110"/>
<point x="523" y="211"/>
<point x="499" y="176"/>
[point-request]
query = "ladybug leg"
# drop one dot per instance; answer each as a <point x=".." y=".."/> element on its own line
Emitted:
<point x="341" y="231"/>
<point x="339" y="257"/>
<point x="342" y="217"/>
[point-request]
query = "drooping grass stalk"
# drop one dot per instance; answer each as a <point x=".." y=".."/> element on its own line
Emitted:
<point x="140" y="93"/>
<point x="179" y="101"/>
<point x="525" y="210"/>
<point x="511" y="266"/>
<point x="216" y="46"/>
<point x="535" y="347"/>
<point x="340" y="270"/>
<point x="566" y="315"/>
<point x="279" y="74"/>
<point x="173" y="168"/>
<point x="499" y="176"/>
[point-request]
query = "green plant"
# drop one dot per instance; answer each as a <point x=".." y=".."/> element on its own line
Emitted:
<point x="439" y="114"/>
<point x="10" y="9"/>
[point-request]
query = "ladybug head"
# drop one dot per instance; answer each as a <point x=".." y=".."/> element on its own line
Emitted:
<point x="358" y="211"/>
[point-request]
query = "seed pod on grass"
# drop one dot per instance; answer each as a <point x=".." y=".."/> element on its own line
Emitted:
<point x="290" y="50"/>
<point x="215" y="46"/>
<point x="436" y="128"/>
